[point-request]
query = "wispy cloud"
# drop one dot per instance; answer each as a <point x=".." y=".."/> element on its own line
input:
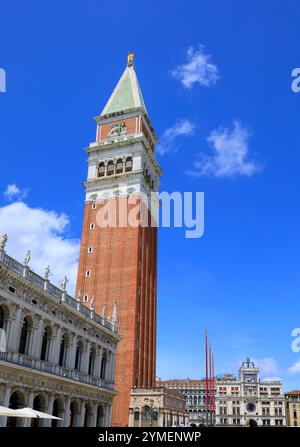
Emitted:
<point x="197" y="70"/>
<point x="231" y="154"/>
<point x="268" y="368"/>
<point x="183" y="127"/>
<point x="45" y="233"/>
<point x="13" y="192"/>
<point x="295" y="368"/>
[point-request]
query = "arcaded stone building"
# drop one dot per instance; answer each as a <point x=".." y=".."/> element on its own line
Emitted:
<point x="56" y="355"/>
<point x="156" y="407"/>
<point x="194" y="394"/>
<point x="118" y="261"/>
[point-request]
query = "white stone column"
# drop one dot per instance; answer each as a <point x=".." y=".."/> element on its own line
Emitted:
<point x="37" y="338"/>
<point x="108" y="415"/>
<point x="15" y="331"/>
<point x="56" y="343"/>
<point x="51" y="348"/>
<point x="71" y="352"/>
<point x="67" y="412"/>
<point x="8" y="334"/>
<point x="86" y="357"/>
<point x="27" y="421"/>
<point x="161" y="419"/>
<point x="47" y="422"/>
<point x="82" y="414"/>
<point x="5" y="403"/>
<point x="98" y="360"/>
<point x="94" y="415"/>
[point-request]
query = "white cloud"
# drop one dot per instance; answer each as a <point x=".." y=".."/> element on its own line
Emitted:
<point x="268" y="368"/>
<point x="295" y="368"/>
<point x="183" y="127"/>
<point x="13" y="192"/>
<point x="198" y="69"/>
<point x="45" y="234"/>
<point x="230" y="154"/>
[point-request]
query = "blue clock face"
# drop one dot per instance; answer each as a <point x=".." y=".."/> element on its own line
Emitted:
<point x="250" y="407"/>
<point x="250" y="377"/>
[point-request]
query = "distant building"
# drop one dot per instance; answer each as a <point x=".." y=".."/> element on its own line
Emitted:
<point x="156" y="407"/>
<point x="248" y="400"/>
<point x="239" y="402"/>
<point x="194" y="393"/>
<point x="292" y="402"/>
<point x="56" y="355"/>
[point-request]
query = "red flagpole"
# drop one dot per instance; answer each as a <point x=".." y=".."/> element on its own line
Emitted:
<point x="206" y="378"/>
<point x="210" y="378"/>
<point x="213" y="371"/>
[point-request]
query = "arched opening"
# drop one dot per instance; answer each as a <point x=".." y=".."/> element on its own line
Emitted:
<point x="46" y="343"/>
<point x="25" y="335"/>
<point x="252" y="423"/>
<point x="103" y="366"/>
<point x="92" y="361"/>
<point x="148" y="418"/>
<point x="74" y="414"/>
<point x="119" y="167"/>
<point x="128" y="164"/>
<point x="63" y="350"/>
<point x="110" y="167"/>
<point x="101" y="169"/>
<point x="88" y="416"/>
<point x="58" y="411"/>
<point x="17" y="400"/>
<point x="78" y="356"/>
<point x="39" y="404"/>
<point x="100" y="417"/>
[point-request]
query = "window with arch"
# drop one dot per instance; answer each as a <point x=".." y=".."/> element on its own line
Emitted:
<point x="110" y="167"/>
<point x="25" y="335"/>
<point x="128" y="164"/>
<point x="46" y="343"/>
<point x="101" y="169"/>
<point x="63" y="350"/>
<point x="78" y="356"/>
<point x="119" y="167"/>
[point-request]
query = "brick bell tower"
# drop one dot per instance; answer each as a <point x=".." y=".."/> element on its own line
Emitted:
<point x="117" y="264"/>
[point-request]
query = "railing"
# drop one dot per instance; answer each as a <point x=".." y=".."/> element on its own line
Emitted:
<point x="50" y="288"/>
<point x="50" y="368"/>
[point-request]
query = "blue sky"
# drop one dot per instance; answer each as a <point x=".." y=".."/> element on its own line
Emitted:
<point x="241" y="279"/>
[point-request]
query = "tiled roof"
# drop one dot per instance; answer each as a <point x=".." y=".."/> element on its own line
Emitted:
<point x="296" y="392"/>
<point x="127" y="95"/>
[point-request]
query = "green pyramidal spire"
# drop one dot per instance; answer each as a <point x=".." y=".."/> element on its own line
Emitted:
<point x="127" y="95"/>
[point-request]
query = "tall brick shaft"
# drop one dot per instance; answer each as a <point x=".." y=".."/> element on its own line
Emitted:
<point x="118" y="257"/>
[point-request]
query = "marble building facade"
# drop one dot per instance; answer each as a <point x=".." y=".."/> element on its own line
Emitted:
<point x="56" y="355"/>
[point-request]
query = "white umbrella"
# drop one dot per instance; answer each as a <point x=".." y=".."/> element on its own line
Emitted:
<point x="4" y="411"/>
<point x="31" y="413"/>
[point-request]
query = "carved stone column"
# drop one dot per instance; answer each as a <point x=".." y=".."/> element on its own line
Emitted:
<point x="67" y="412"/>
<point x="98" y="360"/>
<point x="30" y="399"/>
<point x="5" y="403"/>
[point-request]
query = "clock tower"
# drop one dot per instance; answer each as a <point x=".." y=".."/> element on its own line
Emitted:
<point x="117" y="263"/>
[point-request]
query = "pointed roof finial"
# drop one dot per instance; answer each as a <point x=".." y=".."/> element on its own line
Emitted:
<point x="130" y="58"/>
